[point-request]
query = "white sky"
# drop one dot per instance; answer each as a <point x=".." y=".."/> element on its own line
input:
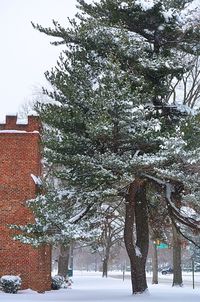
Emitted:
<point x="25" y="54"/>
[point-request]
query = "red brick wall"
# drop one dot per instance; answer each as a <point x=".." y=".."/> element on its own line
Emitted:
<point x="19" y="158"/>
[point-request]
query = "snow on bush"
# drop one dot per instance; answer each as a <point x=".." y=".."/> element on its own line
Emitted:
<point x="10" y="284"/>
<point x="58" y="282"/>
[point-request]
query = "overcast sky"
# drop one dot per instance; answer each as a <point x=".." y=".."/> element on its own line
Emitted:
<point x="25" y="54"/>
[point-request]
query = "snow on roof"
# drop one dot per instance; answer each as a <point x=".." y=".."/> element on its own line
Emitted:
<point x="17" y="131"/>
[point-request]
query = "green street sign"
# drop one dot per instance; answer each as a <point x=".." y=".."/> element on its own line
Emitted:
<point x="162" y="246"/>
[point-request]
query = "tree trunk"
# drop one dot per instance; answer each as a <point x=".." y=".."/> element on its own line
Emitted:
<point x="177" y="278"/>
<point x="155" y="264"/>
<point x="105" y="267"/>
<point x="106" y="258"/>
<point x="63" y="260"/>
<point x="136" y="211"/>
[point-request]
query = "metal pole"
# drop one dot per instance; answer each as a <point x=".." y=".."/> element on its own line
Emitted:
<point x="72" y="258"/>
<point x="124" y="268"/>
<point x="193" y="273"/>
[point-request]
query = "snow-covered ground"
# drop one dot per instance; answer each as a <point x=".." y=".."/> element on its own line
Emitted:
<point x="166" y="279"/>
<point x="91" y="287"/>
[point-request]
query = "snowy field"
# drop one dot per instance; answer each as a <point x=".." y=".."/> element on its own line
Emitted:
<point x="91" y="287"/>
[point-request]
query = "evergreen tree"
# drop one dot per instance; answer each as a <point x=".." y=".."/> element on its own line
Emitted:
<point x="109" y="125"/>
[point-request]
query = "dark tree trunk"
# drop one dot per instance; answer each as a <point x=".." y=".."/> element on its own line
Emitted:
<point x="63" y="260"/>
<point x="155" y="264"/>
<point x="106" y="258"/>
<point x="177" y="278"/>
<point x="105" y="267"/>
<point x="136" y="212"/>
<point x="108" y="243"/>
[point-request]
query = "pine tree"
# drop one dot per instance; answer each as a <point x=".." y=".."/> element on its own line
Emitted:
<point x="110" y="111"/>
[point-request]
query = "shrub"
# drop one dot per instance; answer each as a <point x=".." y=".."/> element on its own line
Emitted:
<point x="67" y="283"/>
<point x="57" y="282"/>
<point x="10" y="284"/>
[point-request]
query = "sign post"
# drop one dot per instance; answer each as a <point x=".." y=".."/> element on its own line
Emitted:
<point x="192" y="273"/>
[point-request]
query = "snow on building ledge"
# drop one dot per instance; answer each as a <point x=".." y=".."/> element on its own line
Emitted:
<point x="12" y="125"/>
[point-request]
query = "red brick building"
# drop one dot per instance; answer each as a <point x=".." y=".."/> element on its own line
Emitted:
<point x="20" y="157"/>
